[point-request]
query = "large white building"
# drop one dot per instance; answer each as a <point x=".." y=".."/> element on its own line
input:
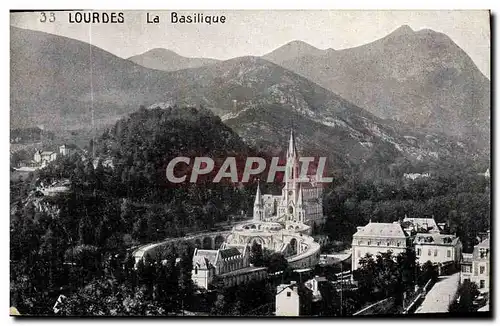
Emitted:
<point x="375" y="238"/>
<point x="437" y="248"/>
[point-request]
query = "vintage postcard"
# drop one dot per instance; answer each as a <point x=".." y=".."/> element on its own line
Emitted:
<point x="250" y="163"/>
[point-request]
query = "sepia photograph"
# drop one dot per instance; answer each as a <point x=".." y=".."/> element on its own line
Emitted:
<point x="250" y="163"/>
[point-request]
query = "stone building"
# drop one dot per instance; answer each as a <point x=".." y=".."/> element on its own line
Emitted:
<point x="476" y="266"/>
<point x="375" y="238"/>
<point x="437" y="248"/>
<point x="65" y="149"/>
<point x="44" y="156"/>
<point x="287" y="300"/>
<point x="229" y="263"/>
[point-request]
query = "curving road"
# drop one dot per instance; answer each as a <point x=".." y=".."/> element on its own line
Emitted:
<point x="440" y="296"/>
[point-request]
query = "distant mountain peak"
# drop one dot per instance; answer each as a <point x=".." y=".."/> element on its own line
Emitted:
<point x="160" y="51"/>
<point x="403" y="30"/>
<point x="168" y="60"/>
<point x="293" y="49"/>
<point x="300" y="44"/>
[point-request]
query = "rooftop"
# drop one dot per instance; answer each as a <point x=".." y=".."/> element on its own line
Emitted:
<point x="484" y="244"/>
<point x="242" y="271"/>
<point x="205" y="258"/>
<point x="381" y="230"/>
<point x="422" y="222"/>
<point x="436" y="239"/>
<point x="229" y="252"/>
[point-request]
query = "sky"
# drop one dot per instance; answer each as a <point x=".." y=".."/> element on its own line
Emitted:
<point x="256" y="33"/>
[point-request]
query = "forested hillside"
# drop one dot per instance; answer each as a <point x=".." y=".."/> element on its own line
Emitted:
<point x="69" y="240"/>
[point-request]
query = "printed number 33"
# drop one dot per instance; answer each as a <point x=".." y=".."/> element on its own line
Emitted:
<point x="51" y="17"/>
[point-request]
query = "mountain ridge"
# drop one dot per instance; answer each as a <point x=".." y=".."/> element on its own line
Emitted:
<point x="168" y="60"/>
<point x="438" y="84"/>
<point x="248" y="92"/>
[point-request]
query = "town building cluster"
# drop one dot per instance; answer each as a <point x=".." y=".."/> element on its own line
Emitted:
<point x="42" y="158"/>
<point x="423" y="234"/>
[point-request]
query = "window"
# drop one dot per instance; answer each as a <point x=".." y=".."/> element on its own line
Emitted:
<point x="398" y="244"/>
<point x="369" y="242"/>
<point x="435" y="252"/>
<point x="359" y="253"/>
<point x="388" y="243"/>
<point x="196" y="270"/>
<point x="360" y="242"/>
<point x="481" y="269"/>
<point x="448" y="253"/>
<point x="419" y="252"/>
<point x="481" y="284"/>
<point x="378" y="243"/>
<point x="289" y="294"/>
<point x="429" y="252"/>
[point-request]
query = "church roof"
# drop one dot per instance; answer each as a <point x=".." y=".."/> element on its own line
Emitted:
<point x="373" y="229"/>
<point x="229" y="252"/>
<point x="205" y="258"/>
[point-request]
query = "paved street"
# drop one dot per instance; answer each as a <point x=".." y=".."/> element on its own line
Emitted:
<point x="439" y="297"/>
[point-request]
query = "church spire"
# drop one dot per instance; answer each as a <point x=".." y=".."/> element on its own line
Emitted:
<point x="292" y="149"/>
<point x="258" y="196"/>
<point x="299" y="199"/>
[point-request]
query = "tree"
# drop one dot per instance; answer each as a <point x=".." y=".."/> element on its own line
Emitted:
<point x="467" y="292"/>
<point x="219" y="308"/>
<point x="408" y="272"/>
<point x="330" y="300"/>
<point x="365" y="276"/>
<point x="256" y="255"/>
<point x="429" y="272"/>
<point x="274" y="261"/>
<point x="186" y="285"/>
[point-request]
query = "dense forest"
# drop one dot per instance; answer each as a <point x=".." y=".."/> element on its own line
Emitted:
<point x="457" y="196"/>
<point x="110" y="209"/>
<point x="30" y="135"/>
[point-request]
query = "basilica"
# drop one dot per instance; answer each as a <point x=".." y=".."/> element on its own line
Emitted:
<point x="300" y="200"/>
<point x="281" y="223"/>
